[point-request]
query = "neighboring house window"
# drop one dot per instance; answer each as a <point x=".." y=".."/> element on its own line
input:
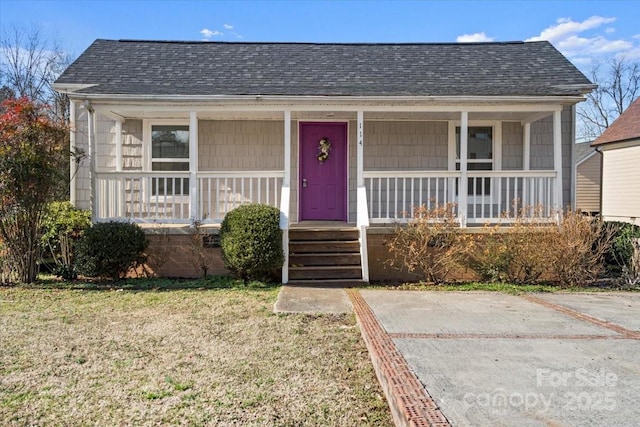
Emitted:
<point x="170" y="153"/>
<point x="479" y="156"/>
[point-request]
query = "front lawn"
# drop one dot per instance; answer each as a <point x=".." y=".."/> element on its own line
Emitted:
<point x="192" y="353"/>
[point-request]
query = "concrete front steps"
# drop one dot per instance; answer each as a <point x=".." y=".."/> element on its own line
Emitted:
<point x="324" y="256"/>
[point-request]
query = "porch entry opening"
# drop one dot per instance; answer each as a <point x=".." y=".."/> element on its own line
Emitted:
<point x="323" y="171"/>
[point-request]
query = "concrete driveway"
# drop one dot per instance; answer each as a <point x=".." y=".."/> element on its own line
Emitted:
<point x="490" y="359"/>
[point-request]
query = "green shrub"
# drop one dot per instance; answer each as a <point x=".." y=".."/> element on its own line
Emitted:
<point x="251" y="241"/>
<point x="62" y="227"/>
<point x="621" y="250"/>
<point x="110" y="249"/>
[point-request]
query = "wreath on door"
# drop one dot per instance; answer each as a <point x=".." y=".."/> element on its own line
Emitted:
<point x="324" y="150"/>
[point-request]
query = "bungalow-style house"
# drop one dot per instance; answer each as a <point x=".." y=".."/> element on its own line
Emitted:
<point x="588" y="178"/>
<point x="620" y="147"/>
<point x="343" y="138"/>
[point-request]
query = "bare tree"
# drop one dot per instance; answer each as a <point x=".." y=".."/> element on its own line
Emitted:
<point x="30" y="61"/>
<point x="618" y="85"/>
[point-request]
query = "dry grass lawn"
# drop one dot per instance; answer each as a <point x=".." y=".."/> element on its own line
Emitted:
<point x="198" y="354"/>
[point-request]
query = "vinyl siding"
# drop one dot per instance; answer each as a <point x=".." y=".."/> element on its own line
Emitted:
<point x="620" y="178"/>
<point x="588" y="185"/>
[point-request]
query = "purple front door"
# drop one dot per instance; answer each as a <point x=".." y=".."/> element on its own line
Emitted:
<point x="323" y="178"/>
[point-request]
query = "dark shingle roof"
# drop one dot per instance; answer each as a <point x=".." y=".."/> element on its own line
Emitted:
<point x="624" y="128"/>
<point x="219" y="68"/>
<point x="582" y="151"/>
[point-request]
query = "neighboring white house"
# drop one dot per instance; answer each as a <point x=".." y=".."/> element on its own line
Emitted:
<point x="620" y="146"/>
<point x="184" y="131"/>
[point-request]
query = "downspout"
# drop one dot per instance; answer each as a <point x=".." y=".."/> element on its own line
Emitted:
<point x="73" y="166"/>
<point x="574" y="169"/>
<point x="599" y="151"/>
<point x="92" y="158"/>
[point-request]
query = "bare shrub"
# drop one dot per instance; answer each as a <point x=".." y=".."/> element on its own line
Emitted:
<point x="577" y="249"/>
<point x="631" y="271"/>
<point x="487" y="254"/>
<point x="201" y="258"/>
<point x="527" y="248"/>
<point x="430" y="244"/>
<point x="517" y="252"/>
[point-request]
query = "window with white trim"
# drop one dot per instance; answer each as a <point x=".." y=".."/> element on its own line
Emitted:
<point x="170" y="153"/>
<point x="480" y="148"/>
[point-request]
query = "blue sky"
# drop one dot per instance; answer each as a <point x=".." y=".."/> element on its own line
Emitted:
<point x="585" y="31"/>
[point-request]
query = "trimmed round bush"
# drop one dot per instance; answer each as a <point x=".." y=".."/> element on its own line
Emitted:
<point x="110" y="249"/>
<point x="251" y="242"/>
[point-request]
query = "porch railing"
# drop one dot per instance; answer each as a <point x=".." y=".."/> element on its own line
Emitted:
<point x="221" y="192"/>
<point x="393" y="196"/>
<point x="165" y="196"/>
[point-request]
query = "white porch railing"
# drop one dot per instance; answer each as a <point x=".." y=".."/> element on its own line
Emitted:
<point x="142" y="196"/>
<point x="492" y="195"/>
<point x="505" y="195"/>
<point x="221" y="192"/>
<point x="165" y="196"/>
<point x="393" y="195"/>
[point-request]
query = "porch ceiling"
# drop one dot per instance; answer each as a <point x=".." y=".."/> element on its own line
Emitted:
<point x="515" y="116"/>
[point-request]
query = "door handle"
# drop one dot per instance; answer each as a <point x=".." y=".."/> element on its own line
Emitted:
<point x="304" y="182"/>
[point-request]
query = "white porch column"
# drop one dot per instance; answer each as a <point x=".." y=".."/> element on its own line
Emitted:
<point x="73" y="170"/>
<point x="526" y="147"/>
<point x="120" y="183"/>
<point x="362" y="213"/>
<point x="287" y="149"/>
<point x="557" y="157"/>
<point x="360" y="150"/>
<point x="285" y="196"/>
<point x="463" y="186"/>
<point x="193" y="166"/>
<point x="118" y="146"/>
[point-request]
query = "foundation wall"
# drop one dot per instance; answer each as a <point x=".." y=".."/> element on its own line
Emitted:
<point x="173" y="255"/>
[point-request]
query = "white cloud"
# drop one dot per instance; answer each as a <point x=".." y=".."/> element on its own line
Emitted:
<point x="474" y="38"/>
<point x="228" y="27"/>
<point x="207" y="33"/>
<point x="567" y="27"/>
<point x="587" y="42"/>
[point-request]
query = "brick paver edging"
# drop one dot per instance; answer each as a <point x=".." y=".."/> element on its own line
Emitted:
<point x="411" y="404"/>
<point x="627" y="333"/>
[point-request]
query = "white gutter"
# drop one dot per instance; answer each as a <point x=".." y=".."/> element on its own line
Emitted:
<point x="268" y="99"/>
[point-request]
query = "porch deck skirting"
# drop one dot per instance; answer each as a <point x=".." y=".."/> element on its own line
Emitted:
<point x="391" y="196"/>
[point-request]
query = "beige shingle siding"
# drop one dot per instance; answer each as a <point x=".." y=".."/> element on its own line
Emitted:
<point x="620" y="188"/>
<point x="237" y="145"/>
<point x="542" y="149"/>
<point x="512" y="146"/>
<point x="132" y="145"/>
<point x="588" y="185"/>
<point x="105" y="144"/>
<point x="82" y="177"/>
<point x="405" y="146"/>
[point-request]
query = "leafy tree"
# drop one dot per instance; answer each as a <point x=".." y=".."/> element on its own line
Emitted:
<point x="618" y="86"/>
<point x="32" y="152"/>
<point x="30" y="61"/>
